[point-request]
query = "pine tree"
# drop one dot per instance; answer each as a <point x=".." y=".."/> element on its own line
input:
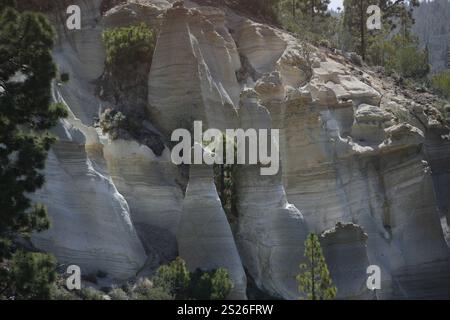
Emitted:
<point x="311" y="11"/>
<point x="355" y="19"/>
<point x="314" y="280"/>
<point x="313" y="8"/>
<point x="26" y="115"/>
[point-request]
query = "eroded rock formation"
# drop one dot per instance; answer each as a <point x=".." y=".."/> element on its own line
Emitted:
<point x="355" y="149"/>
<point x="205" y="240"/>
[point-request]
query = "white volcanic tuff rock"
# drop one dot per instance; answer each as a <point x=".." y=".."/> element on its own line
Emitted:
<point x="369" y="123"/>
<point x="91" y="225"/>
<point x="81" y="54"/>
<point x="193" y="71"/>
<point x="149" y="184"/>
<point x="330" y="171"/>
<point x="343" y="159"/>
<point x="205" y="240"/>
<point x="334" y="176"/>
<point x="345" y="251"/>
<point x="438" y="154"/>
<point x="131" y="13"/>
<point x="317" y="143"/>
<point x="270" y="231"/>
<point x="261" y="45"/>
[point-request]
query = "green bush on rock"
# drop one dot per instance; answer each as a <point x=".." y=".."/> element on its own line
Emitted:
<point x="129" y="44"/>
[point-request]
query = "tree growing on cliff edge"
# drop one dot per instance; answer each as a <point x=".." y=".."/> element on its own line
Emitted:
<point x="314" y="279"/>
<point x="26" y="115"/>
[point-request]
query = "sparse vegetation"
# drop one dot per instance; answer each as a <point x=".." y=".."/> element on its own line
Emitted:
<point x="312" y="26"/>
<point x="314" y="280"/>
<point x="64" y="77"/>
<point x="441" y="84"/>
<point x="115" y="123"/>
<point x="212" y="285"/>
<point x="403" y="56"/>
<point x="200" y="285"/>
<point x="172" y="281"/>
<point x="127" y="45"/>
<point x="118" y="294"/>
<point x="146" y="289"/>
<point x="91" y="294"/>
<point x="224" y="181"/>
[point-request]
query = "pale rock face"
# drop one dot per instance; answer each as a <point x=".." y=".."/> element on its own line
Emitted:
<point x="205" y="240"/>
<point x="350" y="152"/>
<point x="345" y="251"/>
<point x="271" y="231"/>
<point x="149" y="184"/>
<point x="369" y="123"/>
<point x="193" y="71"/>
<point x="344" y="162"/>
<point x="262" y="45"/>
<point x="91" y="225"/>
<point x="81" y="54"/>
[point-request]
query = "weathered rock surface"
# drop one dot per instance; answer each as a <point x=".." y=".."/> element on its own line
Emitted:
<point x="354" y="149"/>
<point x="193" y="71"/>
<point x="205" y="240"/>
<point x="345" y="251"/>
<point x="271" y="231"/>
<point x="91" y="224"/>
<point x="149" y="184"/>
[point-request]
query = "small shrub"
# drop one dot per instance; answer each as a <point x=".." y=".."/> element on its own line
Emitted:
<point x="146" y="289"/>
<point x="111" y="121"/>
<point x="175" y="277"/>
<point x="129" y="44"/>
<point x="118" y="294"/>
<point x="441" y="83"/>
<point x="403" y="56"/>
<point x="91" y="294"/>
<point x="324" y="43"/>
<point x="221" y="284"/>
<point x="212" y="285"/>
<point x="64" y="77"/>
<point x="114" y="123"/>
<point x="175" y="280"/>
<point x="59" y="292"/>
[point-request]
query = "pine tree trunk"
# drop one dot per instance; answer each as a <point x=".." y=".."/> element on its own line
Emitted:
<point x="362" y="31"/>
<point x="293" y="9"/>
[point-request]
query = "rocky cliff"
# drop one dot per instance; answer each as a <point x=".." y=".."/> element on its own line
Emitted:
<point x="365" y="163"/>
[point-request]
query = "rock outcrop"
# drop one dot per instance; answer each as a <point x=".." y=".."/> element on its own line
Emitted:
<point x="205" y="240"/>
<point x="355" y="149"/>
<point x="91" y="224"/>
<point x="345" y="251"/>
<point x="271" y="231"/>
